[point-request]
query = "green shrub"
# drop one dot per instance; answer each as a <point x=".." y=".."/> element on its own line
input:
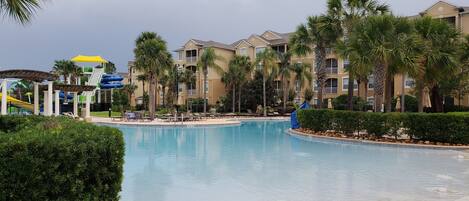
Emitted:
<point x="46" y="158"/>
<point x="411" y="104"/>
<point x="340" y="103"/>
<point x="316" y="120"/>
<point x="444" y="128"/>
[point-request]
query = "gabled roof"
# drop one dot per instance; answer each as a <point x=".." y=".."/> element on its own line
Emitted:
<point x="259" y="37"/>
<point x="240" y="42"/>
<point x="460" y="9"/>
<point x="211" y="43"/>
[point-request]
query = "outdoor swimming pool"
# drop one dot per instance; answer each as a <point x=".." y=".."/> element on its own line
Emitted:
<point x="257" y="161"/>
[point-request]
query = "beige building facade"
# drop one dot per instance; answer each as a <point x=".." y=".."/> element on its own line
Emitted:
<point x="337" y="82"/>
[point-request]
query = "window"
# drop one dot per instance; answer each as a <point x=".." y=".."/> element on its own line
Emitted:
<point x="331" y="86"/>
<point x="243" y="51"/>
<point x="371" y="82"/>
<point x="370" y="100"/>
<point x="316" y="86"/>
<point x="259" y="50"/>
<point x="345" y="84"/>
<point x="179" y="55"/>
<point x="191" y="55"/>
<point x="316" y="101"/>
<point x="332" y="66"/>
<point x="346" y="64"/>
<point x="409" y="82"/>
<point x="279" y="48"/>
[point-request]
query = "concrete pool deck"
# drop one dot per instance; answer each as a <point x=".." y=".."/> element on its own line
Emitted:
<point x="423" y="146"/>
<point x="204" y="122"/>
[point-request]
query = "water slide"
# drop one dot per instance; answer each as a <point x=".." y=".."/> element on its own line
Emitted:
<point x="18" y="103"/>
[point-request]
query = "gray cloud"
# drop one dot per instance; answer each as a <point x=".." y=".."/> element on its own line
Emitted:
<point x="65" y="28"/>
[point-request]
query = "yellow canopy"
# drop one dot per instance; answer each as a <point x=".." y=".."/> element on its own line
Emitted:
<point x="89" y="59"/>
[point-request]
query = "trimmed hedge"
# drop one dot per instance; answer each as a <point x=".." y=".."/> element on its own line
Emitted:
<point x="47" y="158"/>
<point x="444" y="128"/>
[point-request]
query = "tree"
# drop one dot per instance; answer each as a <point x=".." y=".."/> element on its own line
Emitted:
<point x="75" y="74"/>
<point x="302" y="74"/>
<point x="208" y="60"/>
<point x="383" y="41"/>
<point x="318" y="34"/>
<point x="19" y="10"/>
<point x="267" y="62"/>
<point x="121" y="100"/>
<point x="349" y="13"/>
<point x="284" y="70"/>
<point x="438" y="59"/>
<point x="142" y="78"/>
<point x="64" y="68"/>
<point x="189" y="79"/>
<point x="152" y="58"/>
<point x="110" y="68"/>
<point x="129" y="89"/>
<point x="245" y="68"/>
<point x="231" y="79"/>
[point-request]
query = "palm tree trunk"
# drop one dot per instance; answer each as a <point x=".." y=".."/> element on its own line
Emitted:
<point x="157" y="93"/>
<point x="239" y="98"/>
<point x="366" y="93"/>
<point x="350" y="91"/>
<point x="204" y="91"/>
<point x="264" y="96"/>
<point x="420" y="96"/>
<point x="320" y="73"/>
<point x="388" y="93"/>
<point x="436" y="99"/>
<point x="403" y="94"/>
<point x="234" y="98"/>
<point x="151" y="102"/>
<point x="284" y="93"/>
<point x="380" y="75"/>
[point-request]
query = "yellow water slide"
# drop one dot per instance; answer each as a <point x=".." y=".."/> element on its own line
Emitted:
<point x="18" y="103"/>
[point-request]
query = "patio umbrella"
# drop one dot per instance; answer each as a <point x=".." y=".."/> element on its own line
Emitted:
<point x="329" y="103"/>
<point x="426" y="98"/>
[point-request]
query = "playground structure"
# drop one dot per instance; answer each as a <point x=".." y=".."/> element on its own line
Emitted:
<point x="19" y="103"/>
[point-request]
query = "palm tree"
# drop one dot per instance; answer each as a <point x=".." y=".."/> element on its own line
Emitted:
<point x="267" y="61"/>
<point x="284" y="70"/>
<point x="75" y="74"/>
<point x="142" y="78"/>
<point x="350" y="12"/>
<point x="129" y="89"/>
<point x="439" y="58"/>
<point x="245" y="67"/>
<point x="19" y="10"/>
<point x="189" y="79"/>
<point x="302" y="74"/>
<point x="319" y="33"/>
<point x="64" y="68"/>
<point x="208" y="60"/>
<point x="110" y="68"/>
<point x="231" y="79"/>
<point x="384" y="42"/>
<point x="152" y="58"/>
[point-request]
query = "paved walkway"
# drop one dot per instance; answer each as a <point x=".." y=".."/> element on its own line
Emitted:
<point x="205" y="122"/>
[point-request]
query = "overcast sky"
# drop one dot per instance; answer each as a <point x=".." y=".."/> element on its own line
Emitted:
<point x="65" y="28"/>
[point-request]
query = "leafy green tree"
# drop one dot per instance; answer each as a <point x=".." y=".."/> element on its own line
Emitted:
<point x="152" y="58"/>
<point x="19" y="10"/>
<point x="208" y="60"/>
<point x="110" y="68"/>
<point x="267" y="61"/>
<point x="245" y="67"/>
<point x="129" y="89"/>
<point x="318" y="34"/>
<point x="438" y="60"/>
<point x="120" y="100"/>
<point x="64" y="68"/>
<point x="349" y="13"/>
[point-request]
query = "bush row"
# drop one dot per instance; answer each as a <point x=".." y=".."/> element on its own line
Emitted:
<point x="46" y="158"/>
<point x="444" y="128"/>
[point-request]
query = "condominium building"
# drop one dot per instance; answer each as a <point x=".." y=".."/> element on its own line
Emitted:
<point x="337" y="78"/>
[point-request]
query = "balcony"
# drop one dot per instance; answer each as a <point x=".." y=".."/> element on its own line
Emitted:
<point x="191" y="59"/>
<point x="330" y="90"/>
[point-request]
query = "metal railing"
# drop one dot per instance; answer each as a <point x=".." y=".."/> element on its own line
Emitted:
<point x="191" y="59"/>
<point x="330" y="90"/>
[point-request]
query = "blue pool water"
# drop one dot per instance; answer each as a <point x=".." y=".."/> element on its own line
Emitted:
<point x="257" y="161"/>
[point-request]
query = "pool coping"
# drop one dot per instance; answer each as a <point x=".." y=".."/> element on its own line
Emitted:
<point x="208" y="122"/>
<point x="393" y="144"/>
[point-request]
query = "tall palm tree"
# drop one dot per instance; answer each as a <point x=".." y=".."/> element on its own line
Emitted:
<point x="152" y="58"/>
<point x="350" y="12"/>
<point x="75" y="75"/>
<point x="302" y="74"/>
<point x="318" y="34"/>
<point x="267" y="61"/>
<point x="19" y="10"/>
<point x="439" y="57"/>
<point x="285" y="67"/>
<point x="208" y="60"/>
<point x="384" y="42"/>
<point x="231" y="79"/>
<point x="188" y="78"/>
<point x="63" y="68"/>
<point x="245" y="67"/>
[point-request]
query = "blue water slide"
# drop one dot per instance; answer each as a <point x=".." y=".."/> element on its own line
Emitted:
<point x="293" y="117"/>
<point x="111" y="81"/>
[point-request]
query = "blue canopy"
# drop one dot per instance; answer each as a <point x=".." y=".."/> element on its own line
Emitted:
<point x="293" y="118"/>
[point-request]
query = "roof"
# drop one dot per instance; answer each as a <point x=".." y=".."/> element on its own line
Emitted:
<point x="70" y="88"/>
<point x="32" y="75"/>
<point x="89" y="59"/>
<point x="211" y="43"/>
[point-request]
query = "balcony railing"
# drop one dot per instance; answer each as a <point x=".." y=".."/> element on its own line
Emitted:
<point x="191" y="92"/>
<point x="330" y="90"/>
<point x="191" y="59"/>
<point x="332" y="70"/>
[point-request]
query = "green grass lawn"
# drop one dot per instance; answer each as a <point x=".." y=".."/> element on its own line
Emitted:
<point x="105" y="114"/>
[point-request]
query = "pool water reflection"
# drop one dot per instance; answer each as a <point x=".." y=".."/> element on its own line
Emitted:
<point x="257" y="161"/>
